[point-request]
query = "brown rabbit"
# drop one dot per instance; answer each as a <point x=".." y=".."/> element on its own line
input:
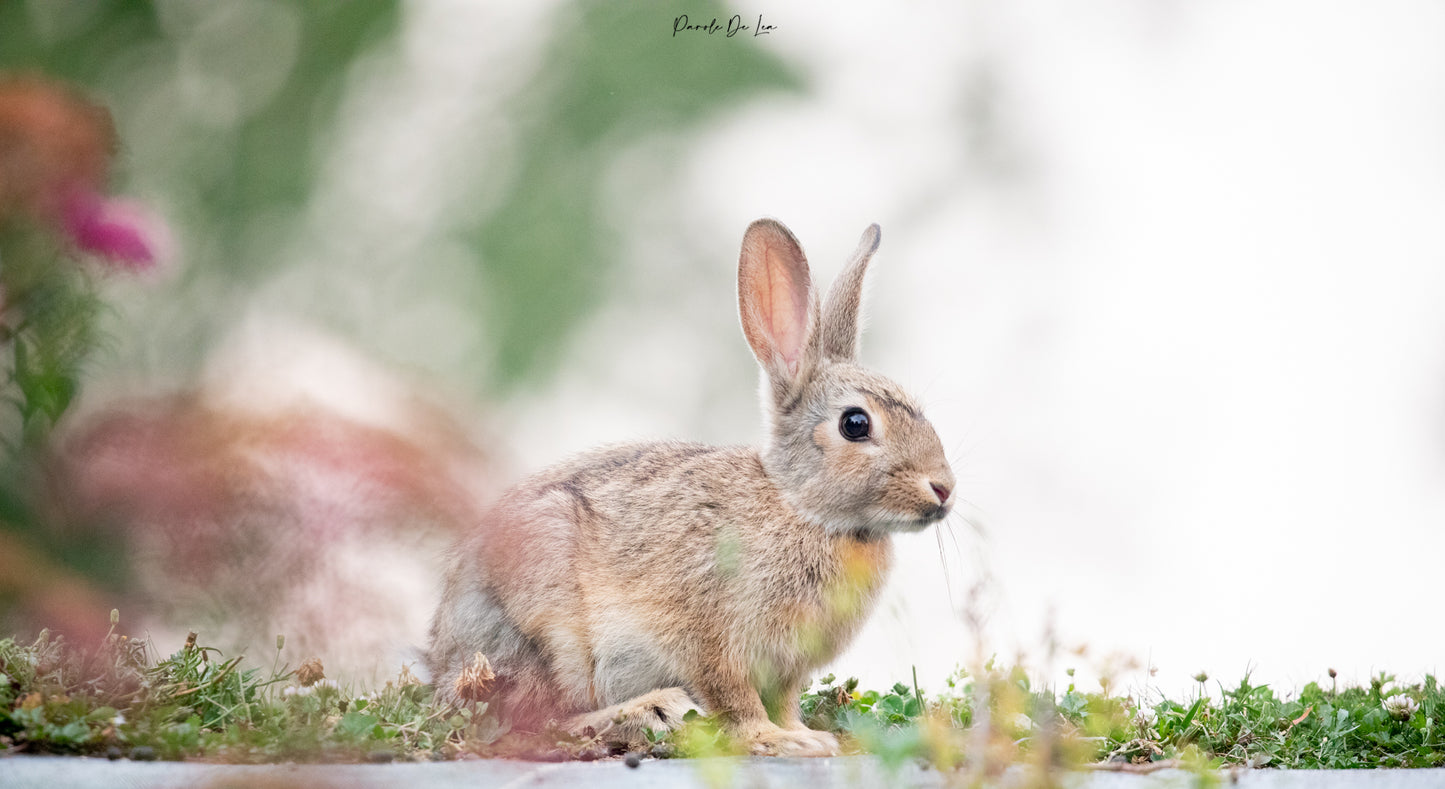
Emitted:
<point x="629" y="584"/>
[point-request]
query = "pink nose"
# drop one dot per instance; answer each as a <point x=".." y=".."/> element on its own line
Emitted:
<point x="940" y="491"/>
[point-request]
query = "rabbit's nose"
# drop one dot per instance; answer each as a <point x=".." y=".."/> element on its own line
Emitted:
<point x="941" y="491"/>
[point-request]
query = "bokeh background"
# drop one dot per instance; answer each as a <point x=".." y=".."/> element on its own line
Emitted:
<point x="1167" y="277"/>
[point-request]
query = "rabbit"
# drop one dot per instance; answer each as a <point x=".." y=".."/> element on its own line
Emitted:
<point x="622" y="588"/>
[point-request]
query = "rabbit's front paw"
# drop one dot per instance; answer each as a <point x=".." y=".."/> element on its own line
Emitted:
<point x="793" y="742"/>
<point x="627" y="723"/>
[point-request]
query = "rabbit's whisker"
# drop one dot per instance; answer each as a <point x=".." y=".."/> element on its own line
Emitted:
<point x="943" y="562"/>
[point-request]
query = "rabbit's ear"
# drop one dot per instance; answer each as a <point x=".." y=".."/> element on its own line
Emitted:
<point x="841" y="327"/>
<point x="777" y="304"/>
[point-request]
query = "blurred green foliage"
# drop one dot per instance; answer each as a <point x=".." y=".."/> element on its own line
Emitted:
<point x="51" y="336"/>
<point x="245" y="165"/>
<point x="228" y="176"/>
<point x="266" y="161"/>
<point x="613" y="75"/>
<point x="229" y="113"/>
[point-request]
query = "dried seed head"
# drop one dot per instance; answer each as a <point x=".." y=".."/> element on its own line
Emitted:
<point x="190" y="641"/>
<point x="1333" y="674"/>
<point x="406" y="678"/>
<point x="1202" y="677"/>
<point x="476" y="680"/>
<point x="310" y="672"/>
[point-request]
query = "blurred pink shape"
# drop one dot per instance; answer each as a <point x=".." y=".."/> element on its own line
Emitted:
<point x="120" y="231"/>
<point x="242" y="524"/>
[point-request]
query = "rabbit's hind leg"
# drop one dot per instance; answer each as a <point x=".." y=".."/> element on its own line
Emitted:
<point x="626" y="723"/>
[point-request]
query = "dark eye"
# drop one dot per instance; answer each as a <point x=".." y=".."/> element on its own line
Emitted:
<point x="855" y="425"/>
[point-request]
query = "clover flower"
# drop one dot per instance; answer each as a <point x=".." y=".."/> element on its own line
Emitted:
<point x="1400" y="706"/>
<point x="1145" y="718"/>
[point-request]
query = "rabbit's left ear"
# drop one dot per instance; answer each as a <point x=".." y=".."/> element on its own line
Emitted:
<point x="841" y="328"/>
<point x="777" y="305"/>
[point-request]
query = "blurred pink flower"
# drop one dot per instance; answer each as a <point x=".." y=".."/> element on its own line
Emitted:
<point x="119" y="230"/>
<point x="55" y="155"/>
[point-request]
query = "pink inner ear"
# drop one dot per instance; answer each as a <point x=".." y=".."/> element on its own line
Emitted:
<point x="775" y="296"/>
<point x="787" y="302"/>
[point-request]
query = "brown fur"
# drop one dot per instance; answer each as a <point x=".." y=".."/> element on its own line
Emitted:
<point x="619" y="586"/>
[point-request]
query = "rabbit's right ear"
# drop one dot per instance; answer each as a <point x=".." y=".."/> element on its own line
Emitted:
<point x="778" y="307"/>
<point x="840" y="327"/>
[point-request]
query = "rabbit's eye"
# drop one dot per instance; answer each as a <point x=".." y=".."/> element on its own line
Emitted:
<point x="855" y="425"/>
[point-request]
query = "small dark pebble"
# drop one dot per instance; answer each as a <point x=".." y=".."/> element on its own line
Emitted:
<point x="662" y="750"/>
<point x="592" y="754"/>
<point x="380" y="757"/>
<point x="112" y="753"/>
<point x="143" y="753"/>
<point x="634" y="760"/>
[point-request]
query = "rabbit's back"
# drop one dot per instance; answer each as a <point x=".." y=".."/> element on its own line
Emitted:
<point x="635" y="567"/>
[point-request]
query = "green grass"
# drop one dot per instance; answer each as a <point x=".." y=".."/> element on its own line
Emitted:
<point x="124" y="700"/>
<point x="1386" y="724"/>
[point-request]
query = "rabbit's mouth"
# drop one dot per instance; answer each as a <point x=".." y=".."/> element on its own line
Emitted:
<point x="933" y="515"/>
<point x="882" y="525"/>
<point x="926" y="518"/>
